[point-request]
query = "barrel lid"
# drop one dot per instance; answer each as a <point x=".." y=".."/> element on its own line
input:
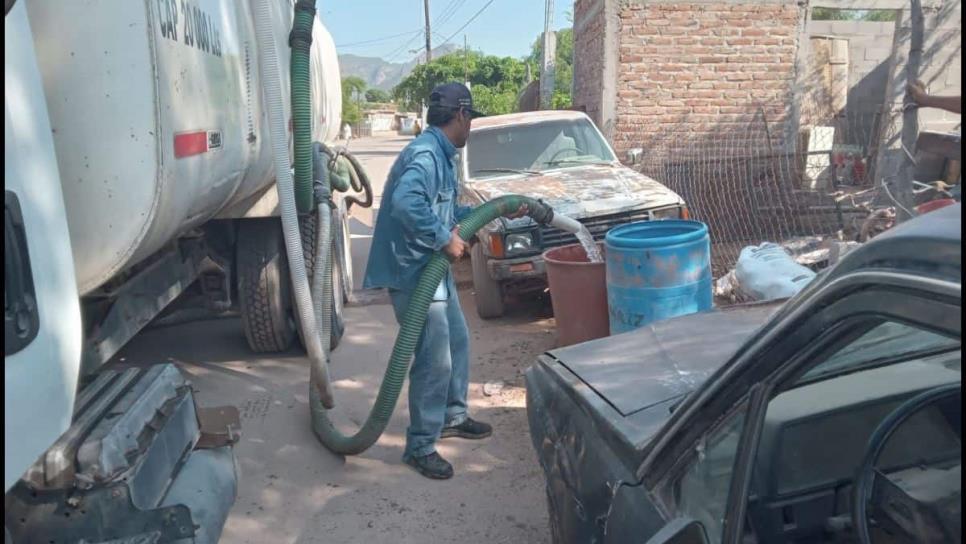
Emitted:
<point x="662" y="233"/>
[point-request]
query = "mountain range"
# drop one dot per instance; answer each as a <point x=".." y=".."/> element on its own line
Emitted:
<point x="380" y="74"/>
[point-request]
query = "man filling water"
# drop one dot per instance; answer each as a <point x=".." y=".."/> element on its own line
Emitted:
<point x="418" y="217"/>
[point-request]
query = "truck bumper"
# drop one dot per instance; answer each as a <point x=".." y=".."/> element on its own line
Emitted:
<point x="516" y="269"/>
<point x="140" y="461"/>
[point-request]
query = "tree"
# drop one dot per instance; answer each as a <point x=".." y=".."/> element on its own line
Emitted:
<point x="378" y="96"/>
<point x="495" y="81"/>
<point x="834" y="14"/>
<point x="353" y="89"/>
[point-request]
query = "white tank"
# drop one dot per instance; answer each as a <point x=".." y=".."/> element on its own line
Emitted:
<point x="157" y="117"/>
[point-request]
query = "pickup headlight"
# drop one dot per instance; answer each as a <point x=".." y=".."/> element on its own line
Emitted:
<point x="668" y="213"/>
<point x="520" y="243"/>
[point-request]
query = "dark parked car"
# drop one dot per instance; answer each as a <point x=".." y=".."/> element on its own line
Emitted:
<point x="834" y="417"/>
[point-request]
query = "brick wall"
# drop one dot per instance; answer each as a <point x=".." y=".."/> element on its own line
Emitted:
<point x="700" y="71"/>
<point x="588" y="61"/>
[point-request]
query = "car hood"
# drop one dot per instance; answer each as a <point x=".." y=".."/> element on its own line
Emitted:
<point x="582" y="191"/>
<point x="641" y="369"/>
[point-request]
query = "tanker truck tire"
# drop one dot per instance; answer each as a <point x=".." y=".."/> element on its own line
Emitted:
<point x="345" y="251"/>
<point x="486" y="291"/>
<point x="338" y="304"/>
<point x="308" y="231"/>
<point x="264" y="291"/>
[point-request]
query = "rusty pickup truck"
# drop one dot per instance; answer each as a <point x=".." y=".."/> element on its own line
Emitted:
<point x="563" y="159"/>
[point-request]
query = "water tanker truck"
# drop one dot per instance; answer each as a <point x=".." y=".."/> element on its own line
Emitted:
<point x="139" y="164"/>
<point x="153" y="148"/>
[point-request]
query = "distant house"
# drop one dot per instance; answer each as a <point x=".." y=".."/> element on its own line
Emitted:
<point x="381" y="120"/>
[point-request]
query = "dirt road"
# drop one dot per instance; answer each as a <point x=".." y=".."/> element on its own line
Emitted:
<point x="293" y="490"/>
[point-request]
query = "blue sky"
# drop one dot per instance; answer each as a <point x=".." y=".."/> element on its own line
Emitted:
<point x="504" y="28"/>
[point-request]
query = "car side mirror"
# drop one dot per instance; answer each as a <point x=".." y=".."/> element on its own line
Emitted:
<point x="681" y="531"/>
<point x="634" y="155"/>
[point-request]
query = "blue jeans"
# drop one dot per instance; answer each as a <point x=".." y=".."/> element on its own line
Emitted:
<point x="439" y="376"/>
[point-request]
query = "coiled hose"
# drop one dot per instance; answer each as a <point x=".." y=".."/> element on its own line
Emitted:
<point x="348" y="173"/>
<point x="409" y="332"/>
<point x="360" y="182"/>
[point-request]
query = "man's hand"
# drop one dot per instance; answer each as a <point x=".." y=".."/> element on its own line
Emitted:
<point x="917" y="91"/>
<point x="521" y="211"/>
<point x="456" y="246"/>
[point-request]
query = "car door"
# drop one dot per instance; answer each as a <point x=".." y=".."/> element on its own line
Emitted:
<point x="42" y="322"/>
<point x="699" y="470"/>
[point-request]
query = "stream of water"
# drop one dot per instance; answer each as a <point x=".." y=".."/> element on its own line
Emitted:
<point x="590" y="246"/>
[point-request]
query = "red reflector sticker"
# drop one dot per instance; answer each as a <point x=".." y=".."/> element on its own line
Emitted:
<point x="523" y="267"/>
<point x="190" y="143"/>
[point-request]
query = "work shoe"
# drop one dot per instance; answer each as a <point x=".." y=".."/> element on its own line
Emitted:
<point x="472" y="429"/>
<point x="432" y="466"/>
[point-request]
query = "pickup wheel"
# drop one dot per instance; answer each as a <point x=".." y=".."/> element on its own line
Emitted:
<point x="264" y="289"/>
<point x="486" y="291"/>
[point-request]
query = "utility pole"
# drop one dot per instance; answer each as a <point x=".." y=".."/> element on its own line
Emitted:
<point x="549" y="56"/>
<point x="466" y="70"/>
<point x="910" y="116"/>
<point x="429" y="47"/>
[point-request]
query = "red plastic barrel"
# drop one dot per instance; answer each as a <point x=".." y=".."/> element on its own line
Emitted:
<point x="578" y="292"/>
<point x="934" y="205"/>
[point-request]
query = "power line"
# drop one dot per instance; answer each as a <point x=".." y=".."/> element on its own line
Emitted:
<point x="440" y="18"/>
<point x="377" y="40"/>
<point x="443" y="19"/>
<point x="402" y="48"/>
<point x="467" y="23"/>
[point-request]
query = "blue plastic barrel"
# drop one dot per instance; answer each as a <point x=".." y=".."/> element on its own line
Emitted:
<point x="657" y="270"/>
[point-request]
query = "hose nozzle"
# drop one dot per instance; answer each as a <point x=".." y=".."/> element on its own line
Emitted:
<point x="540" y="212"/>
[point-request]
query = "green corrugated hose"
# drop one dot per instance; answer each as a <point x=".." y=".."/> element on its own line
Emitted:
<point x="300" y="41"/>
<point x="409" y="332"/>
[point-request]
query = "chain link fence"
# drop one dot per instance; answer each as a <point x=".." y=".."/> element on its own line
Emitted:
<point x="751" y="183"/>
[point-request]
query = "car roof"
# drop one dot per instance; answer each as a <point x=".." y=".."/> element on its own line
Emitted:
<point x="930" y="244"/>
<point x="525" y="118"/>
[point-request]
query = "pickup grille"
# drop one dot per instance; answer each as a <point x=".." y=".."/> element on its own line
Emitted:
<point x="598" y="227"/>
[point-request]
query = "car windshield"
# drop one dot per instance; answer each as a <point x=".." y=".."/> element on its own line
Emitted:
<point x="536" y="147"/>
<point x="888" y="342"/>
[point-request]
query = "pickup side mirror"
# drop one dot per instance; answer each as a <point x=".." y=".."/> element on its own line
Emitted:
<point x="634" y="155"/>
<point x="681" y="531"/>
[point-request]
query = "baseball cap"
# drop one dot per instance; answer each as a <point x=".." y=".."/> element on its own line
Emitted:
<point x="453" y="96"/>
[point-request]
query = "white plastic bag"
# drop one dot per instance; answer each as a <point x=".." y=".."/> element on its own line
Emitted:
<point x="767" y="272"/>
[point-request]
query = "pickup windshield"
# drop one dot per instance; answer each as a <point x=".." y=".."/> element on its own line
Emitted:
<point x="535" y="147"/>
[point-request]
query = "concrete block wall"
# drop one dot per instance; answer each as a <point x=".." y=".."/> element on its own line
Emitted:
<point x="942" y="63"/>
<point x="940" y="69"/>
<point x="701" y="71"/>
<point x="870" y="46"/>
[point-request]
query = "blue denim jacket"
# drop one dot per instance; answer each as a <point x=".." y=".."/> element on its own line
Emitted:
<point x="418" y="211"/>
